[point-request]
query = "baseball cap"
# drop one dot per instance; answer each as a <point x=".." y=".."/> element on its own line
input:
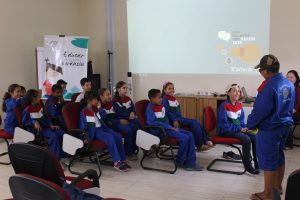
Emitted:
<point x="268" y="62"/>
<point x="230" y="86"/>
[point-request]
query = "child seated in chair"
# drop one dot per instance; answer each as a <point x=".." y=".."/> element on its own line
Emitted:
<point x="54" y="105"/>
<point x="114" y="122"/>
<point x="156" y="116"/>
<point x="124" y="107"/>
<point x="36" y="122"/>
<point x="231" y="124"/>
<point x="91" y="121"/>
<point x="172" y="106"/>
<point x="11" y="100"/>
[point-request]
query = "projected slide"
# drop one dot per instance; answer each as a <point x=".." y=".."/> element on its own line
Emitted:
<point x="197" y="36"/>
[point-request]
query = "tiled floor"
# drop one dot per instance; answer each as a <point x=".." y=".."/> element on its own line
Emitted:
<point x="139" y="184"/>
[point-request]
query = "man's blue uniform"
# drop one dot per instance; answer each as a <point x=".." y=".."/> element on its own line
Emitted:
<point x="272" y="115"/>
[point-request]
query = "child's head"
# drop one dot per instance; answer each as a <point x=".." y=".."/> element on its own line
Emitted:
<point x="105" y="95"/>
<point x="121" y="89"/>
<point x="91" y="98"/>
<point x="57" y="91"/>
<point x="168" y="89"/>
<point x="31" y="97"/>
<point x="62" y="83"/>
<point x="233" y="92"/>
<point x="155" y="96"/>
<point x="23" y="91"/>
<point x="13" y="91"/>
<point x="86" y="84"/>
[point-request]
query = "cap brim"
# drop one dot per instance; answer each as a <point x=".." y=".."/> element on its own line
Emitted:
<point x="257" y="66"/>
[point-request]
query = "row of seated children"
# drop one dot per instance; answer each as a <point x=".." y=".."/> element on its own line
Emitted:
<point x="110" y="115"/>
<point x="164" y="111"/>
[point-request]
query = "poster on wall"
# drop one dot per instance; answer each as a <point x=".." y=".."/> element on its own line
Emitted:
<point x="62" y="57"/>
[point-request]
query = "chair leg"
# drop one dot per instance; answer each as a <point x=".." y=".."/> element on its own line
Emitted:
<point x="209" y="167"/>
<point x="295" y="137"/>
<point x="98" y="163"/>
<point x="154" y="151"/>
<point x="5" y="153"/>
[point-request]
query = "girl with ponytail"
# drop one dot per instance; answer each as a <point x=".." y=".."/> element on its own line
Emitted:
<point x="11" y="100"/>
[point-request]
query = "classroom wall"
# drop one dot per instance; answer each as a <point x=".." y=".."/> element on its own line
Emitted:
<point x="92" y="23"/>
<point x="284" y="42"/>
<point x="23" y="25"/>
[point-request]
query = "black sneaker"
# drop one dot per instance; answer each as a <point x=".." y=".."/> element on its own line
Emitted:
<point x="126" y="165"/>
<point x="256" y="166"/>
<point x="231" y="155"/>
<point x="251" y="170"/>
<point x="119" y="166"/>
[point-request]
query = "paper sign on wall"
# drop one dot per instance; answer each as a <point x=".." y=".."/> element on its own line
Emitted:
<point x="63" y="58"/>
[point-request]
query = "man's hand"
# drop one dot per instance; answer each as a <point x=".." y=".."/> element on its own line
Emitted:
<point x="176" y="124"/>
<point x="294" y="111"/>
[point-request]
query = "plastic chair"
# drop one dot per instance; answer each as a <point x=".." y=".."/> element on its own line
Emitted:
<point x="74" y="97"/>
<point x="5" y="136"/>
<point x="40" y="162"/>
<point x="292" y="187"/>
<point x="96" y="148"/>
<point x="165" y="144"/>
<point x="210" y="123"/>
<point x="24" y="186"/>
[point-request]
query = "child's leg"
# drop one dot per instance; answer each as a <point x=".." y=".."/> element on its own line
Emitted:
<point x="246" y="146"/>
<point x="119" y="143"/>
<point x="129" y="138"/>
<point x="53" y="142"/>
<point x="199" y="134"/>
<point x="109" y="140"/>
<point x="183" y="140"/>
<point x="191" y="153"/>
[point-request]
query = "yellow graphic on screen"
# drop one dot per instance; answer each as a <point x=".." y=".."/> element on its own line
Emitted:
<point x="249" y="53"/>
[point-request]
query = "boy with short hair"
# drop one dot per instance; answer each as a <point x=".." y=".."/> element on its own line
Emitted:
<point x="54" y="105"/>
<point x="86" y="86"/>
<point x="156" y="116"/>
<point x="231" y="124"/>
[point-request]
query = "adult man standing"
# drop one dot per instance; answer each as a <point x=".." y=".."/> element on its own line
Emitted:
<point x="272" y="115"/>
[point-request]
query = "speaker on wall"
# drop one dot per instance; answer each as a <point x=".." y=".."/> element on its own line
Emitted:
<point x="96" y="81"/>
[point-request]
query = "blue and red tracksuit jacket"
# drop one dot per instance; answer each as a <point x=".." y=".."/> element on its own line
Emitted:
<point x="273" y="107"/>
<point x="123" y="107"/>
<point x="172" y="107"/>
<point x="53" y="111"/>
<point x="10" y="121"/>
<point x="230" y="118"/>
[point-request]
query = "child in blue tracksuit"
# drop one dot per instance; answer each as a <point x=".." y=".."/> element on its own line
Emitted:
<point x="11" y="100"/>
<point x="124" y="107"/>
<point x="156" y="116"/>
<point x="174" y="114"/>
<point x="35" y="121"/>
<point x="113" y="121"/>
<point x="54" y="105"/>
<point x="91" y="121"/>
<point x="231" y="124"/>
<point x="272" y="114"/>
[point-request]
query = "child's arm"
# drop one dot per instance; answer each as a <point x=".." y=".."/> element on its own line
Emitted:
<point x="11" y="104"/>
<point x="242" y="119"/>
<point x="27" y="120"/>
<point x="152" y="120"/>
<point x="171" y="116"/>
